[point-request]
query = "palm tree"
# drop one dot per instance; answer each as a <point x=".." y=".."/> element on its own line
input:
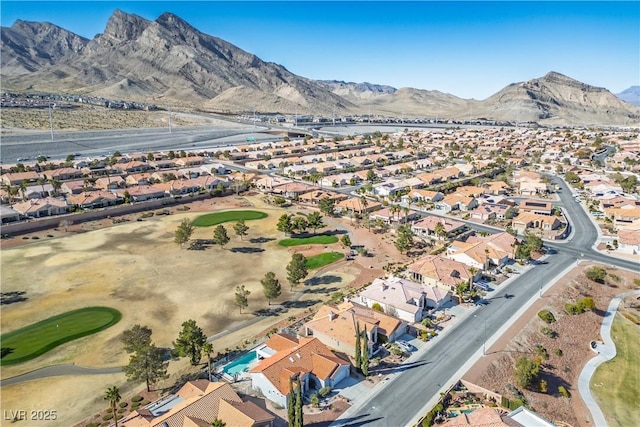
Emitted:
<point x="113" y="396"/>
<point x="394" y="209"/>
<point x="207" y="349"/>
<point x="365" y="203"/>
<point x="23" y="189"/>
<point x="56" y="186"/>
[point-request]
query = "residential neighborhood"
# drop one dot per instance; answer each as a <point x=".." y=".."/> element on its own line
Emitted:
<point x="461" y="208"/>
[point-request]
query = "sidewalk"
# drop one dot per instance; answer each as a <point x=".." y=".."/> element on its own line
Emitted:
<point x="606" y="352"/>
<point x="361" y="392"/>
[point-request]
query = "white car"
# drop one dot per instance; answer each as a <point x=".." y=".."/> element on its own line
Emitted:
<point x="405" y="345"/>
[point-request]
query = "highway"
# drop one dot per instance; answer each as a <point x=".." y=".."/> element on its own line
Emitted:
<point x="402" y="400"/>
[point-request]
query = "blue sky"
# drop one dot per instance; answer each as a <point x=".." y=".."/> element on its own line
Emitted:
<point x="469" y="49"/>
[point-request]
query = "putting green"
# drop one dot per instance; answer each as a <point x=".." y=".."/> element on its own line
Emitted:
<point x="323" y="259"/>
<point x="36" y="339"/>
<point x="322" y="239"/>
<point x="216" y="218"/>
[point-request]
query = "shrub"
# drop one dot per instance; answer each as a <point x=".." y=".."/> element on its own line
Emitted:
<point x="636" y="282"/>
<point x="324" y="391"/>
<point x="587" y="303"/>
<point x="596" y="274"/>
<point x="137" y="399"/>
<point x="542" y="352"/>
<point x="547" y="316"/>
<point x="572" y="309"/>
<point x="563" y="391"/>
<point x="123" y="404"/>
<point x="314" y="400"/>
<point x="558" y="352"/>
<point x="92" y="425"/>
<point x="549" y="332"/>
<point x="543" y="386"/>
<point x="377" y="307"/>
<point x="107" y="417"/>
<point x="122" y="410"/>
<point x="614" y="277"/>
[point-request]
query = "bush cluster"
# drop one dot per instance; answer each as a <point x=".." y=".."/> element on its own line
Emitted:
<point x="547" y="316"/>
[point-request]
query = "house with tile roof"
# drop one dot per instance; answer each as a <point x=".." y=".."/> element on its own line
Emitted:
<point x="18" y="178"/>
<point x="426" y="227"/>
<point x="41" y="207"/>
<point x="407" y="300"/>
<point x="335" y="326"/>
<point x="93" y="199"/>
<point x="484" y="252"/>
<point x="354" y="204"/>
<point x="452" y="202"/>
<point x="198" y="403"/>
<point x="540" y="207"/>
<point x="629" y="242"/>
<point x="625" y="218"/>
<point x="308" y="360"/>
<point x="526" y="220"/>
<point x="443" y="273"/>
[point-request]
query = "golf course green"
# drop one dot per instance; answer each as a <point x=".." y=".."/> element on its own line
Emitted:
<point x="216" y="218"/>
<point x="34" y="340"/>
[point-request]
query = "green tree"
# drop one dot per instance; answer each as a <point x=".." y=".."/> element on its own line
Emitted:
<point x="218" y="423"/>
<point x="241" y="228"/>
<point x="327" y="206"/>
<point x="299" y="418"/>
<point x="190" y="341"/>
<point x="371" y="176"/>
<point x="296" y="269"/>
<point x="439" y="230"/>
<point x="346" y="241"/>
<point x="358" y="349"/>
<point x="291" y="405"/>
<point x="300" y="224"/>
<point x="404" y="241"/>
<point x="220" y="236"/>
<point x="285" y="224"/>
<point x="147" y="364"/>
<point x="314" y="221"/>
<point x="365" y="354"/>
<point x="127" y="197"/>
<point x="184" y="232"/>
<point x="527" y="371"/>
<point x="271" y="286"/>
<point x="242" y="294"/>
<point x="207" y="349"/>
<point x="136" y="338"/>
<point x="112" y="395"/>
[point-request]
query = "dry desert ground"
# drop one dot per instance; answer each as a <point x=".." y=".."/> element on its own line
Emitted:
<point x="136" y="268"/>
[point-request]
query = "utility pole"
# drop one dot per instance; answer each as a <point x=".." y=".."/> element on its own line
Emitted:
<point x="51" y="121"/>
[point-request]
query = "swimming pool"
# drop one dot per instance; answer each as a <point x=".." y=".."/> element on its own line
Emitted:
<point x="456" y="412"/>
<point x="241" y="365"/>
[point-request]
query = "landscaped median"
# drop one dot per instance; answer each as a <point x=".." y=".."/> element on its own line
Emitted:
<point x="36" y="339"/>
<point x="216" y="218"/>
<point x="322" y="239"/>
<point x="323" y="259"/>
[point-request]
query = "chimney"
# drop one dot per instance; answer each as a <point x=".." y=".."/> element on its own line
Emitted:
<point x="332" y="315"/>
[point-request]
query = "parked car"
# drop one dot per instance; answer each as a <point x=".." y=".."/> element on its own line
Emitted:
<point x="405" y="345"/>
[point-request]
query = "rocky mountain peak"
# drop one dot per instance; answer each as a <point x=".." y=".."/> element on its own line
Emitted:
<point x="124" y="26"/>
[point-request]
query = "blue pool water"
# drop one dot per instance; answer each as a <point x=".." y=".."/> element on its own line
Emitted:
<point x="241" y="365"/>
<point x="456" y="412"/>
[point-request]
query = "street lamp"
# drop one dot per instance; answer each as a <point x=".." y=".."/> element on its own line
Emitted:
<point x="484" y="340"/>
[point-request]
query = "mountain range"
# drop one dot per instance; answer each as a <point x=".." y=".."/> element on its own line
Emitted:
<point x="169" y="62"/>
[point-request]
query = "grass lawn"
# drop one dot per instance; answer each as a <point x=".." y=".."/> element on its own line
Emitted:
<point x="322" y="239"/>
<point x="615" y="383"/>
<point x="36" y="339"/>
<point x="216" y="218"/>
<point x="323" y="259"/>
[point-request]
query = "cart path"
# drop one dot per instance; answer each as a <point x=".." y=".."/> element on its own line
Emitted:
<point x="57" y="371"/>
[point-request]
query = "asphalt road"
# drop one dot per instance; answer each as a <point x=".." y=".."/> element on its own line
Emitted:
<point x="402" y="399"/>
<point x="97" y="143"/>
